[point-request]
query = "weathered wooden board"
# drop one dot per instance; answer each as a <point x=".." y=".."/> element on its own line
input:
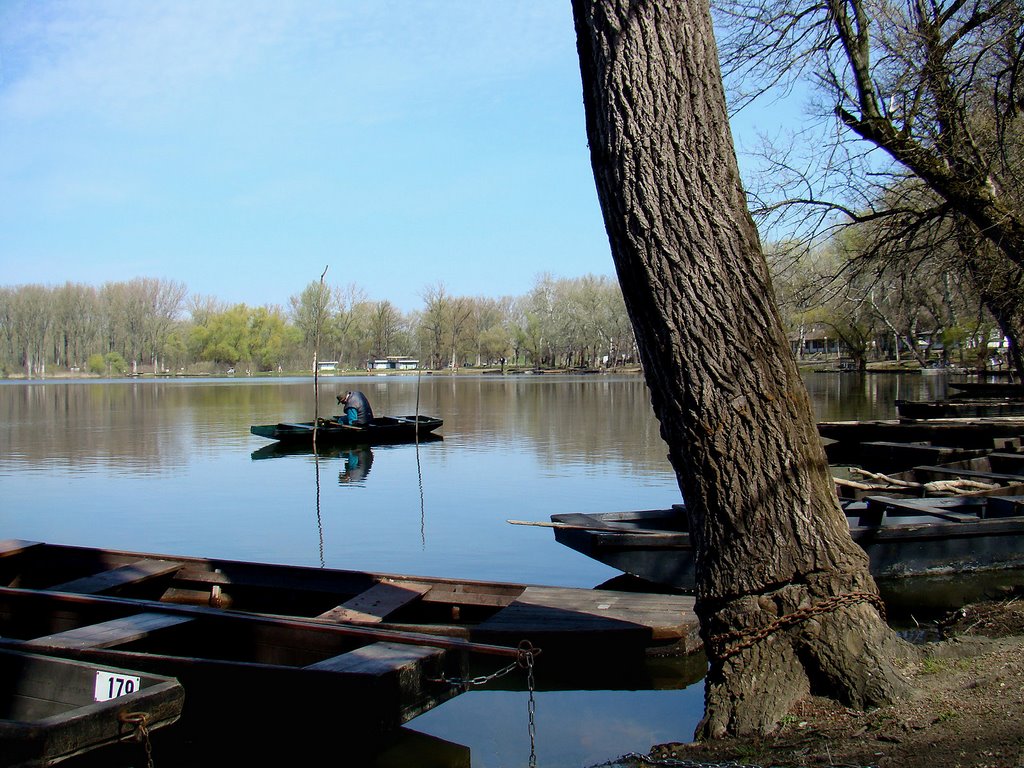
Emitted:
<point x="377" y="603"/>
<point x="109" y="633"/>
<point x="549" y="615"/>
<point x="108" y="581"/>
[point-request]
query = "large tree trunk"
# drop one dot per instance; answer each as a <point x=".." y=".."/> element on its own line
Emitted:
<point x="771" y="540"/>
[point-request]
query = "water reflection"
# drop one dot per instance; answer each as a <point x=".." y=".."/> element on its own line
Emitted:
<point x="171" y="467"/>
<point x="358" y="460"/>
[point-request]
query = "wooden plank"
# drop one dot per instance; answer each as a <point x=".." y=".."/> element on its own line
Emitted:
<point x="376" y="603"/>
<point x="109" y="633"/>
<point x="954" y="510"/>
<point x="133" y="573"/>
<point x="378" y="659"/>
<point x="546" y="615"/>
<point x="466" y="595"/>
<point x="9" y="547"/>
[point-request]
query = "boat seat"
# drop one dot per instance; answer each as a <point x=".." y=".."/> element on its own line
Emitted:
<point x="109" y="633"/>
<point x="377" y="603"/>
<point x="134" y="573"/>
<point x="379" y="659"/>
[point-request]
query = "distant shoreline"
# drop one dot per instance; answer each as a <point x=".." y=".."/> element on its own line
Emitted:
<point x="345" y="374"/>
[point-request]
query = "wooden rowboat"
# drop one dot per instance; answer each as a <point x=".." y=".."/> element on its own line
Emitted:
<point x="380" y="431"/>
<point x="571" y="625"/>
<point x="53" y="709"/>
<point x="988" y="388"/>
<point x="959" y="408"/>
<point x="977" y="476"/>
<point x="257" y="645"/>
<point x="902" y="537"/>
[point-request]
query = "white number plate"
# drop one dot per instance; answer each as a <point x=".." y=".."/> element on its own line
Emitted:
<point x="110" y="685"/>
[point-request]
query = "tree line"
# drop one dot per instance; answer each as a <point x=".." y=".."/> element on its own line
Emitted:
<point x="910" y="308"/>
<point x="150" y="325"/>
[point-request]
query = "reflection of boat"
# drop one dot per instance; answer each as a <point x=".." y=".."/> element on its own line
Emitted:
<point x="959" y="409"/>
<point x="53" y="708"/>
<point x="384" y="429"/>
<point x="569" y="624"/>
<point x="330" y="451"/>
<point x="902" y="537"/>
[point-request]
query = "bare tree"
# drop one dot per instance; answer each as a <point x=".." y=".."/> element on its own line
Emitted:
<point x="786" y="603"/>
<point x="935" y="88"/>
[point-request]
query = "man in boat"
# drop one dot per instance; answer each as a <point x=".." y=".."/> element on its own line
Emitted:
<point x="357" y="409"/>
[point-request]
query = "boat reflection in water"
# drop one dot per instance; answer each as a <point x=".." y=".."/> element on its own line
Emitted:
<point x="329" y="451"/>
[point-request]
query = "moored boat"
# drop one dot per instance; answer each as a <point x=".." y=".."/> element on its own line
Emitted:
<point x="959" y="408"/>
<point x="978" y="476"/>
<point x="570" y="624"/>
<point x="949" y="432"/>
<point x="988" y="388"/>
<point x="379" y="431"/>
<point x="52" y="709"/>
<point x="902" y="537"/>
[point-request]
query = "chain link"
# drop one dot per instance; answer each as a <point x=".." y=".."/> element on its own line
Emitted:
<point x="748" y="638"/>
<point x="141" y="722"/>
<point x="525" y="658"/>
<point x="531" y="705"/>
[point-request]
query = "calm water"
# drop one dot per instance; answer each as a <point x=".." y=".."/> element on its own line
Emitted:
<point x="170" y="467"/>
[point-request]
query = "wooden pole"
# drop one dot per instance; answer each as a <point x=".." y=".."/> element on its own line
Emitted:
<point x="320" y="307"/>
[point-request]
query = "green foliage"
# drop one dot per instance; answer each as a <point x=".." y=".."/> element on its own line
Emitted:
<point x="115" y="364"/>
<point x="96" y="364"/>
<point x="244" y="336"/>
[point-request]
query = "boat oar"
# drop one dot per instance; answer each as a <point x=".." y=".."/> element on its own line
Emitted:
<point x="598" y="527"/>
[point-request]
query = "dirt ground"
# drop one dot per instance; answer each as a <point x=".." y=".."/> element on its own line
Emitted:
<point x="967" y="709"/>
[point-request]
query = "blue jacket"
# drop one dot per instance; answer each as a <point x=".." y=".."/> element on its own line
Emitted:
<point x="356" y="401"/>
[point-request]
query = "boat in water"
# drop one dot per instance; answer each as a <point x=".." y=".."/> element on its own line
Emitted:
<point x="960" y="408"/>
<point x="902" y="537"/>
<point x="379" y="431"/>
<point x="54" y="709"/>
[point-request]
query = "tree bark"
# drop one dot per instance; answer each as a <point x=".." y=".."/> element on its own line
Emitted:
<point x="771" y="541"/>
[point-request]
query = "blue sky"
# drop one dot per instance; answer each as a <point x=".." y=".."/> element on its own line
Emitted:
<point x="242" y="147"/>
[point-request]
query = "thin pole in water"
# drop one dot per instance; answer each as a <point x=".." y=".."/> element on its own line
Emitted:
<point x="318" y="322"/>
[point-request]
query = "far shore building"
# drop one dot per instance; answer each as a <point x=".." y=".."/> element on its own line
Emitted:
<point x="395" y="363"/>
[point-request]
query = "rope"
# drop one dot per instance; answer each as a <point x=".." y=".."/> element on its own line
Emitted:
<point x="743" y="639"/>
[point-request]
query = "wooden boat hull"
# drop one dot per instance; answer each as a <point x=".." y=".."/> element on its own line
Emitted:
<point x="254" y="672"/>
<point x="995" y="389"/>
<point x="978" y="476"/>
<point x="962" y="433"/>
<point x="901" y="537"/>
<point x="572" y="625"/>
<point x="959" y="409"/>
<point x="381" y="431"/>
<point x="53" y="709"/>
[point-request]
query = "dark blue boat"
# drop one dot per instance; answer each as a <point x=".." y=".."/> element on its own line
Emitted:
<point x="385" y="429"/>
